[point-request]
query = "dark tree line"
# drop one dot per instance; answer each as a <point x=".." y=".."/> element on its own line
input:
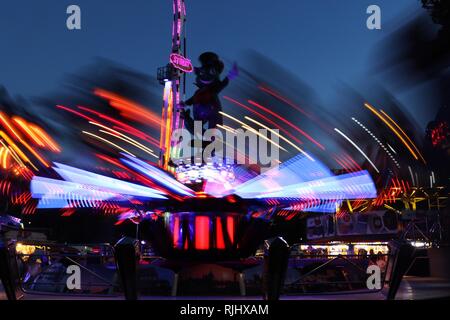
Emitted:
<point x="439" y="11"/>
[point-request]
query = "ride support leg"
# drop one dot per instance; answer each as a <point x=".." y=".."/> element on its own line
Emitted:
<point x="6" y="271"/>
<point x="126" y="253"/>
<point x="403" y="257"/>
<point x="275" y="266"/>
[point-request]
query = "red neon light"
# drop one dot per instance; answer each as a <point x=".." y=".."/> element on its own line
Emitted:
<point x="220" y="243"/>
<point x="176" y="231"/>
<point x="202" y="233"/>
<point x="230" y="228"/>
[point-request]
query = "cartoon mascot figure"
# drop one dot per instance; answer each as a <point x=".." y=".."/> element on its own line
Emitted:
<point x="205" y="101"/>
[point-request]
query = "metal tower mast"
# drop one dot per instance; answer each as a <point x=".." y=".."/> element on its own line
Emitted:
<point x="173" y="77"/>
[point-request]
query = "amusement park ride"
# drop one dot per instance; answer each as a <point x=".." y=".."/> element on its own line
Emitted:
<point x="173" y="77"/>
<point x="221" y="211"/>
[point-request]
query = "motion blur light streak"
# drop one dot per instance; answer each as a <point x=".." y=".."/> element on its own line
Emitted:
<point x="76" y="175"/>
<point x="49" y="141"/>
<point x="139" y="134"/>
<point x="392" y="149"/>
<point x="357" y="185"/>
<point x="84" y="189"/>
<point x="344" y="166"/>
<point x="226" y="128"/>
<point x="17" y="149"/>
<point x="296" y="170"/>
<point x="75" y="112"/>
<point x="353" y="163"/>
<point x="247" y="127"/>
<point x="158" y="175"/>
<point x="166" y="125"/>
<point x="46" y="188"/>
<point x="264" y="137"/>
<point x="288" y="123"/>
<point x="405" y="135"/>
<point x="130" y="140"/>
<point x="392" y="128"/>
<point x="281" y="98"/>
<point x="232" y="118"/>
<point x="229" y="128"/>
<point x="357" y="148"/>
<point x="109" y="142"/>
<point x="27" y="130"/>
<point x="347" y="164"/>
<point x="37" y="155"/>
<point x="4" y="153"/>
<point x="137" y="176"/>
<point x="378" y="141"/>
<point x="280" y="136"/>
<point x="264" y="118"/>
<point x="13" y="154"/>
<point x="9" y="127"/>
<point x="129" y="108"/>
<point x="121" y="126"/>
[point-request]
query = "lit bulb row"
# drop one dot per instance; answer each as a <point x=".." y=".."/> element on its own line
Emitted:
<point x="378" y="141"/>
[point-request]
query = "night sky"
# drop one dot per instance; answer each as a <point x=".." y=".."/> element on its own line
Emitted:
<point x="321" y="41"/>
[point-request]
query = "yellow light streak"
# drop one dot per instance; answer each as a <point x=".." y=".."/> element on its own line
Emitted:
<point x="42" y="134"/>
<point x="134" y="144"/>
<point x="232" y="118"/>
<point x="13" y="154"/>
<point x="27" y="129"/>
<point x="4" y="119"/>
<point x="226" y="128"/>
<point x="124" y="136"/>
<point x="17" y="149"/>
<point x="109" y="142"/>
<point x="281" y="137"/>
<point x="264" y="137"/>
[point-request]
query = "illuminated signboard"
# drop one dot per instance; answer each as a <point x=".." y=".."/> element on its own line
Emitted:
<point x="181" y="63"/>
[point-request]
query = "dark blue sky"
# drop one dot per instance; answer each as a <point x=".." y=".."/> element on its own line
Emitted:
<point x="322" y="41"/>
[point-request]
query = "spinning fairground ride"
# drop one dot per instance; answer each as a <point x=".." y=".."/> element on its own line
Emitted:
<point x="204" y="211"/>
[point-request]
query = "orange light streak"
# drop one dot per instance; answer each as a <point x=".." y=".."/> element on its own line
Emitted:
<point x="5" y="120"/>
<point x="46" y="137"/>
<point x="129" y="108"/>
<point x="406" y="136"/>
<point x="392" y="128"/>
<point x="17" y="149"/>
<point x="28" y="131"/>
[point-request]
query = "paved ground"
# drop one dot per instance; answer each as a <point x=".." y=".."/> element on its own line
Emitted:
<point x="412" y="288"/>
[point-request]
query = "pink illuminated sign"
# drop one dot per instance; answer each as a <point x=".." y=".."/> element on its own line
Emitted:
<point x="181" y="63"/>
